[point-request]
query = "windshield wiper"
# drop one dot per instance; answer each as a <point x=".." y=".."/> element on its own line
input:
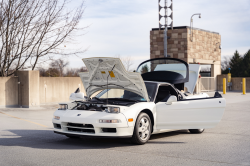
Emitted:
<point x="97" y="99"/>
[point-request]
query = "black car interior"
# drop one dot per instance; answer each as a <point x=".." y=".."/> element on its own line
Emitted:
<point x="164" y="92"/>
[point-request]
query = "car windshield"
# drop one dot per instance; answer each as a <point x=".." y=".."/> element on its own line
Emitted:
<point x="128" y="95"/>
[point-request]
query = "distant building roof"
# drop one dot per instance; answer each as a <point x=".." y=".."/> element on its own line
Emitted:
<point x="184" y="27"/>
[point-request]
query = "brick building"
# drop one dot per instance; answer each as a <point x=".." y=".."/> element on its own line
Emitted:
<point x="192" y="46"/>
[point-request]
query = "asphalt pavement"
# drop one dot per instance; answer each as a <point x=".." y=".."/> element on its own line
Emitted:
<point x="27" y="138"/>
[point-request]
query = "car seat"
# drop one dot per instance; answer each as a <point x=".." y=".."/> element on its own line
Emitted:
<point x="162" y="95"/>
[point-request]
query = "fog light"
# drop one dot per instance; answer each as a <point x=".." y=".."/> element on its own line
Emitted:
<point x="57" y="117"/>
<point x="109" y="121"/>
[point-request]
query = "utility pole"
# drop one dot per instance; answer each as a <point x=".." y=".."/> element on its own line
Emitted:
<point x="165" y="25"/>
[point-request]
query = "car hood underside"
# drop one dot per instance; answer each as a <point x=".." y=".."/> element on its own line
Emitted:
<point x="109" y="73"/>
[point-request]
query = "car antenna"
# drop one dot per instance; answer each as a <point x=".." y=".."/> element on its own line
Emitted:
<point x="107" y="83"/>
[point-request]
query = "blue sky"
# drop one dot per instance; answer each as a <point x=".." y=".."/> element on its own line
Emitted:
<point x="121" y="27"/>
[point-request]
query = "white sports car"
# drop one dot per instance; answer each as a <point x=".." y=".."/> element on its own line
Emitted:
<point x="137" y="104"/>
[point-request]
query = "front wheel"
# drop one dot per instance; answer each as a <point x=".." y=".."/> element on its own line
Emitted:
<point x="196" y="131"/>
<point x="142" y="130"/>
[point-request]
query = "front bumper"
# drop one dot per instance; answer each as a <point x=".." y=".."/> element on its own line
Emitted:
<point x="94" y="135"/>
<point x="87" y="124"/>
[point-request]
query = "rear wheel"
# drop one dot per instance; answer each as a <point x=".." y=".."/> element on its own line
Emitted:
<point x="196" y="131"/>
<point x="142" y="130"/>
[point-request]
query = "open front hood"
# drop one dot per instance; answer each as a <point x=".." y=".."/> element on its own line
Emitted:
<point x="99" y="69"/>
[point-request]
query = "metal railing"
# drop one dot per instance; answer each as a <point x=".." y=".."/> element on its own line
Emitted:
<point x="207" y="84"/>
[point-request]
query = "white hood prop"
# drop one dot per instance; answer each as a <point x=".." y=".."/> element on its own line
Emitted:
<point x="98" y="70"/>
<point x="194" y="70"/>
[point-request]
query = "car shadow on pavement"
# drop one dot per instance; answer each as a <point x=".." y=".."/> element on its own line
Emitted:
<point x="168" y="134"/>
<point x="156" y="138"/>
<point x="46" y="139"/>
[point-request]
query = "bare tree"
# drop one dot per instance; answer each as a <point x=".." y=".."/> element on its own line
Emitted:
<point x="127" y="62"/>
<point x="43" y="72"/>
<point x="56" y="71"/>
<point x="53" y="72"/>
<point x="71" y="72"/>
<point x="74" y="72"/>
<point x="144" y="69"/>
<point x="50" y="72"/>
<point x="60" y="64"/>
<point x="83" y="69"/>
<point x="32" y="31"/>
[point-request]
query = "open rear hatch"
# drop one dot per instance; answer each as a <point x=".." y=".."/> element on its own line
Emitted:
<point x="170" y="70"/>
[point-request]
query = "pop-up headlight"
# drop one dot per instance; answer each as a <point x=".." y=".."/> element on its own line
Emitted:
<point x="112" y="110"/>
<point x="63" y="106"/>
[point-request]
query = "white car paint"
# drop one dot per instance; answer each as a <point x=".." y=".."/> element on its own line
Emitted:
<point x="92" y="117"/>
<point x="77" y="96"/>
<point x="194" y="112"/>
<point x="190" y="114"/>
<point x="200" y="95"/>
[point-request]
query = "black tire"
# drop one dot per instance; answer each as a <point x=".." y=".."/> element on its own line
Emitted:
<point x="142" y="129"/>
<point x="196" y="131"/>
<point x="70" y="136"/>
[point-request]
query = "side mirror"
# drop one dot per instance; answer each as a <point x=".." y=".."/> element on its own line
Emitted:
<point x="77" y="96"/>
<point x="171" y="99"/>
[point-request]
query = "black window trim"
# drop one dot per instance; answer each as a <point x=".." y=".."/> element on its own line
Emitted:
<point x="159" y="84"/>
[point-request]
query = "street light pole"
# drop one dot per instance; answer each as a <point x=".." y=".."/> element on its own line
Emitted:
<point x="191" y="25"/>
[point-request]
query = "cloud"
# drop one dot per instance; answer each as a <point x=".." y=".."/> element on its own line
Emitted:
<point x="122" y="27"/>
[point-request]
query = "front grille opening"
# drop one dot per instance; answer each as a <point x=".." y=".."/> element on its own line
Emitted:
<point x="57" y="126"/>
<point x="81" y="130"/>
<point x="109" y="130"/>
<point x="80" y="125"/>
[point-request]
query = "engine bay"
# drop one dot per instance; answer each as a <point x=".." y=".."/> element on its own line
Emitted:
<point x="89" y="107"/>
